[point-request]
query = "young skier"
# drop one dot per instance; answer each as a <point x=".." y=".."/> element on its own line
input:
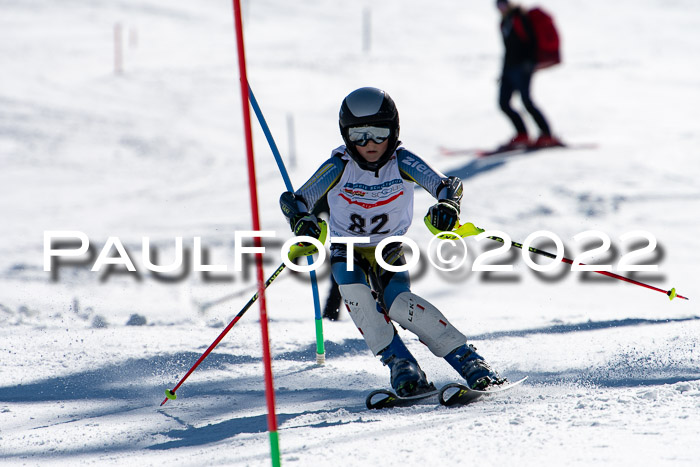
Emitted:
<point x="368" y="185"/>
<point x="518" y="67"/>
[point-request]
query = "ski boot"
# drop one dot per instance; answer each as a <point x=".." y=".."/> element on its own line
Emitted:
<point x="407" y="379"/>
<point x="547" y="141"/>
<point x="519" y="141"/>
<point x="473" y="368"/>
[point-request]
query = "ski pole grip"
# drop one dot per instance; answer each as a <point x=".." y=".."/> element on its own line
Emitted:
<point x="299" y="249"/>
<point x="464" y="230"/>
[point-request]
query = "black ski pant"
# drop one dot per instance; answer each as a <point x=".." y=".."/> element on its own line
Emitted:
<point x="518" y="78"/>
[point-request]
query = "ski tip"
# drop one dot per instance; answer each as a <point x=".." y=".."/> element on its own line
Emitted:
<point x="452" y="393"/>
<point x="380" y="399"/>
<point x="169" y="394"/>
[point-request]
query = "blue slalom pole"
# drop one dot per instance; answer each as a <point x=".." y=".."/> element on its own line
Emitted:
<point x="320" y="349"/>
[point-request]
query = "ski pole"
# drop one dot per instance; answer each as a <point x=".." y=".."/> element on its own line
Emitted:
<point x="468" y="229"/>
<point x="671" y="293"/>
<point x="170" y="393"/>
<point x="320" y="349"/>
<point x="294" y="252"/>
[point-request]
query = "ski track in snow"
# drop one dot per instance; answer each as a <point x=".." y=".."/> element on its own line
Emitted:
<point x="157" y="151"/>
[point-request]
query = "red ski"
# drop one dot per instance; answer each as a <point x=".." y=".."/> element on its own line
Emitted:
<point x="508" y="151"/>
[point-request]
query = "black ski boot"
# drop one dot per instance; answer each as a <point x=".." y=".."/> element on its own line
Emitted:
<point x="473" y="368"/>
<point x="407" y="379"/>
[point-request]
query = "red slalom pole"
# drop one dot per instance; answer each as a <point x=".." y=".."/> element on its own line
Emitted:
<point x="269" y="386"/>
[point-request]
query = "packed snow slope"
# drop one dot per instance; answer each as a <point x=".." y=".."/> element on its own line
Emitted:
<point x="157" y="151"/>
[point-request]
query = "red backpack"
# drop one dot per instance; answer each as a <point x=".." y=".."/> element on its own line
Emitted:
<point x="546" y="36"/>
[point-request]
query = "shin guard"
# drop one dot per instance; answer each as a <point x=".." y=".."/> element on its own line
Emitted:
<point x="427" y="322"/>
<point x="373" y="325"/>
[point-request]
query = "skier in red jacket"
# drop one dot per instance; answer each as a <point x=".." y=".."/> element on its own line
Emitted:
<point x="519" y="64"/>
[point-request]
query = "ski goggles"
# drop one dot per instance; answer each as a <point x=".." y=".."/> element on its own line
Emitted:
<point x="361" y="135"/>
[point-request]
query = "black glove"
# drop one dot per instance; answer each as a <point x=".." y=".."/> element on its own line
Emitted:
<point x="444" y="216"/>
<point x="306" y="224"/>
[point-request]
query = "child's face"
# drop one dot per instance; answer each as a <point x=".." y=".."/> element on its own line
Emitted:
<point x="371" y="152"/>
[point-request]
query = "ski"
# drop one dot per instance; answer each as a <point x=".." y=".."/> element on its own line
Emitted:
<point x="384" y="398"/>
<point x="459" y="394"/>
<point x="445" y="151"/>
<point x="504" y="151"/>
<point x="529" y="149"/>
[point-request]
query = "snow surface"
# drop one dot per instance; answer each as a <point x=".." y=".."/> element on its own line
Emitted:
<point x="157" y="151"/>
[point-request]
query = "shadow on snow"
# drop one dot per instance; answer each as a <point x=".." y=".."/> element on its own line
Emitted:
<point x="198" y="436"/>
<point x="477" y="167"/>
<point x="625" y="370"/>
<point x="131" y="384"/>
<point x="581" y="327"/>
<point x="133" y="378"/>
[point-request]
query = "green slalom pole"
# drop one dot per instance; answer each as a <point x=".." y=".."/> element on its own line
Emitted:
<point x="275" y="451"/>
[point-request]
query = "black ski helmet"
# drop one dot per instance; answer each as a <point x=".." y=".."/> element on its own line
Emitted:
<point x="369" y="106"/>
